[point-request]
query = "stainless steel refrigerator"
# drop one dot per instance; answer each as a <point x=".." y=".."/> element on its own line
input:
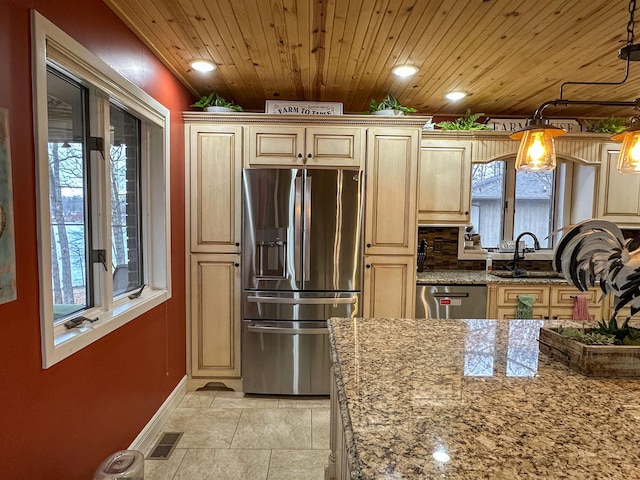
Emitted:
<point x="301" y="266"/>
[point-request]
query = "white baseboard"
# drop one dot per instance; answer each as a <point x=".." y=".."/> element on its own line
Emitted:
<point x="143" y="441"/>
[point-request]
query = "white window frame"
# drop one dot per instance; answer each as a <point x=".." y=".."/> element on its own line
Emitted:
<point x="50" y="43"/>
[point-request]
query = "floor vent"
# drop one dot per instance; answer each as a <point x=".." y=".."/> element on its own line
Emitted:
<point x="165" y="446"/>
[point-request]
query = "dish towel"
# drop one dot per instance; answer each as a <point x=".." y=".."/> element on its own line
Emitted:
<point x="580" y="310"/>
<point x="524" y="309"/>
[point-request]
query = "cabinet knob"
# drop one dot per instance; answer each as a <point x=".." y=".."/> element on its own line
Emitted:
<point x="466" y="213"/>
<point x="237" y="264"/>
<point x="368" y="245"/>
<point x="299" y="155"/>
<point x="368" y="265"/>
<point x="546" y="317"/>
<point x="237" y="244"/>
<point x="309" y="155"/>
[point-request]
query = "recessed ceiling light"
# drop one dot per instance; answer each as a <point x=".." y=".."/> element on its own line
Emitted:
<point x="455" y="95"/>
<point x="203" y="65"/>
<point x="405" y="70"/>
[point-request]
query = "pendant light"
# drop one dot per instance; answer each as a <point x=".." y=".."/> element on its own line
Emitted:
<point x="629" y="156"/>
<point x="537" y="151"/>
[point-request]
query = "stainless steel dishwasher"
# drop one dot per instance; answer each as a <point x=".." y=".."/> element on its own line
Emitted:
<point x="451" y="301"/>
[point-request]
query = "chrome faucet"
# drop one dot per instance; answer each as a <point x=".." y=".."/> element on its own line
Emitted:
<point x="520" y="272"/>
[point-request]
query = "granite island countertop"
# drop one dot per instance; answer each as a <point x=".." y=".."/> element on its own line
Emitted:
<point x="473" y="399"/>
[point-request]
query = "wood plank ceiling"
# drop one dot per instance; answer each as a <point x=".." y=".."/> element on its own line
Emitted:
<point x="510" y="56"/>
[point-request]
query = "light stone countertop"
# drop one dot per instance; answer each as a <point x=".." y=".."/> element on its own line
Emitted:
<point x="480" y="277"/>
<point x="479" y="393"/>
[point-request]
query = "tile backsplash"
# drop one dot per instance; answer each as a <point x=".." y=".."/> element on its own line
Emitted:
<point x="442" y="253"/>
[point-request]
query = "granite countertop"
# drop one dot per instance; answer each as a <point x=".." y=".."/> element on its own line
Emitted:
<point x="480" y="277"/>
<point x="473" y="399"/>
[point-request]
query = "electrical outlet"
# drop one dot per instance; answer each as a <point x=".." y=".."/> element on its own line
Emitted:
<point x="437" y="245"/>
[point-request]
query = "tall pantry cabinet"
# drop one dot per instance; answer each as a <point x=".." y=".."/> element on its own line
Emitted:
<point x="390" y="223"/>
<point x="213" y="194"/>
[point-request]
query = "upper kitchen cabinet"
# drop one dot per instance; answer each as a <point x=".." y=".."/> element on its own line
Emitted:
<point x="318" y="146"/>
<point x="214" y="154"/>
<point x="619" y="193"/>
<point x="391" y="182"/>
<point x="444" y="182"/>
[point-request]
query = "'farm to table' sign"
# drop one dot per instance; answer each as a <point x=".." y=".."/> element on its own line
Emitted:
<point x="289" y="107"/>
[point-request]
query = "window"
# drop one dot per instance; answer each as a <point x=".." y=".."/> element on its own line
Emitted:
<point x="101" y="146"/>
<point x="505" y="203"/>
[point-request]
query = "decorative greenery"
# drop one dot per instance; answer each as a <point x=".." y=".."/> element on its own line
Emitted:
<point x="607" y="333"/>
<point x="607" y="125"/>
<point x="389" y="103"/>
<point x="215" y="100"/>
<point x="468" y="122"/>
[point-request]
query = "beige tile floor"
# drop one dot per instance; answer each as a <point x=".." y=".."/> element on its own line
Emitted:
<point x="227" y="436"/>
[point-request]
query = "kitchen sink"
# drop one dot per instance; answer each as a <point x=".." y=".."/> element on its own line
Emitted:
<point x="540" y="274"/>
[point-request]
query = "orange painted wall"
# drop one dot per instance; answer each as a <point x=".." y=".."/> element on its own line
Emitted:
<point x="60" y="423"/>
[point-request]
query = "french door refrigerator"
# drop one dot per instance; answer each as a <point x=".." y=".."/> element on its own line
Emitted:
<point x="301" y="266"/>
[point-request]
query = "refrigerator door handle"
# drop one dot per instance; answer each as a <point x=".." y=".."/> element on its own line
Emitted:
<point x="291" y="331"/>
<point x="307" y="228"/>
<point x="302" y="301"/>
<point x="297" y="227"/>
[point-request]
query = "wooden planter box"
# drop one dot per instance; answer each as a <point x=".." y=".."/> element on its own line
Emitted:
<point x="591" y="360"/>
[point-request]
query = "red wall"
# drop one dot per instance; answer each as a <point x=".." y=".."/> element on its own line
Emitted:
<point x="60" y="423"/>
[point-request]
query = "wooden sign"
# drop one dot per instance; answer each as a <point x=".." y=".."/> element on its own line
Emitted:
<point x="571" y="125"/>
<point x="290" y="107"/>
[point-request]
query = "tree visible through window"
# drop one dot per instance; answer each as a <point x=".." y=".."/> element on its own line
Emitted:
<point x="68" y="198"/>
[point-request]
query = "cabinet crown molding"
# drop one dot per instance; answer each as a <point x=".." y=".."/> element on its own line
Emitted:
<point x="270" y="118"/>
<point x="489" y="146"/>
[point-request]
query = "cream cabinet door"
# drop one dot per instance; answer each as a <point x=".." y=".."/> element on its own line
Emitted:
<point x="334" y="147"/>
<point x="215" y="315"/>
<point x="390" y="200"/>
<point x="275" y="146"/>
<point x="284" y="146"/>
<point x="389" y="286"/>
<point x="619" y="193"/>
<point x="444" y="185"/>
<point x="214" y="188"/>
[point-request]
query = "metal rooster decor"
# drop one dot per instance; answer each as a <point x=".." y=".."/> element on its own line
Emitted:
<point x="595" y="251"/>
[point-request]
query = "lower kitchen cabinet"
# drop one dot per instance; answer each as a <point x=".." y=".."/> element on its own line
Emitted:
<point x="215" y="315"/>
<point x="389" y="286"/>
<point x="551" y="301"/>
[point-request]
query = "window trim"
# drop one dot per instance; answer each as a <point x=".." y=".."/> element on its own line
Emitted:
<point x="50" y="43"/>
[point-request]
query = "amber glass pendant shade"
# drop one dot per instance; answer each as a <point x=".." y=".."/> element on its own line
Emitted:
<point x="629" y="157"/>
<point x="536" y="152"/>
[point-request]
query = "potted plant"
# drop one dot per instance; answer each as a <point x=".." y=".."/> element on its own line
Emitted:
<point x="389" y="105"/>
<point x="468" y="122"/>
<point x="217" y="104"/>
<point x="607" y="125"/>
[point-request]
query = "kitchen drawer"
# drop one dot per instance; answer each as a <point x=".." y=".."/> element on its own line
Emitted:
<point x="509" y="313"/>
<point x="565" y="314"/>
<point x="564" y="296"/>
<point x="508" y="296"/>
